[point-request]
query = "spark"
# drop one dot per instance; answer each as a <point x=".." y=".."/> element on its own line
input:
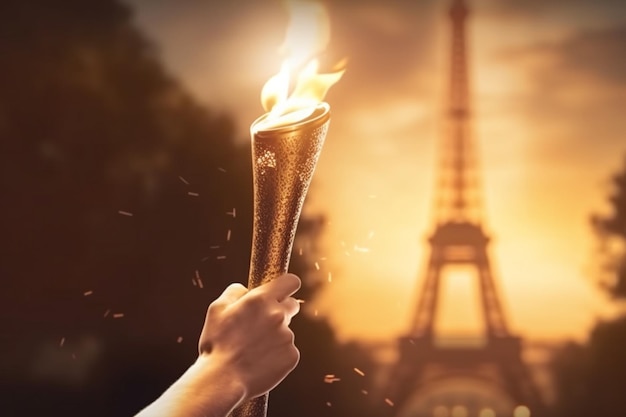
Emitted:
<point x="193" y="194"/>
<point x="106" y="313"/>
<point x="328" y="403"/>
<point x="300" y="251"/>
<point x="232" y="213"/>
<point x="179" y="340"/>
<point x="228" y="235"/>
<point x="371" y="234"/>
<point x="118" y="315"/>
<point x="183" y="180"/>
<point x="221" y="257"/>
<point x="389" y="402"/>
<point x="206" y="258"/>
<point x="361" y="249"/>
<point x="193" y="281"/>
<point x="198" y="279"/>
<point x="330" y="378"/>
<point x="364" y="391"/>
<point x="323" y="258"/>
<point x="62" y="342"/>
<point x="317" y="266"/>
<point x="300" y="301"/>
<point x="315" y="313"/>
<point x="330" y="277"/>
<point x="86" y="293"/>
<point x="347" y="253"/>
<point x="358" y="371"/>
<point x="221" y="169"/>
<point x="214" y="247"/>
<point x="125" y="213"/>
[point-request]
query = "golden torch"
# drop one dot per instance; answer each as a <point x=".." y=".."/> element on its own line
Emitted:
<point x="286" y="144"/>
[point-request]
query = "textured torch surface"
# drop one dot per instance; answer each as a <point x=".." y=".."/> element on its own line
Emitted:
<point x="283" y="161"/>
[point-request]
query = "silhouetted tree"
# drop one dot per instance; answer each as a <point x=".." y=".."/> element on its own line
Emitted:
<point x="126" y="208"/>
<point x="611" y="231"/>
<point x="590" y="379"/>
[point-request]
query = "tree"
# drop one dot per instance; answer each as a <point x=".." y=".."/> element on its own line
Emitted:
<point x="590" y="379"/>
<point x="126" y="208"/>
<point x="611" y="231"/>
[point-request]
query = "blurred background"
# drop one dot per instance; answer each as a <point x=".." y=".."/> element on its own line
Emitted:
<point x="126" y="196"/>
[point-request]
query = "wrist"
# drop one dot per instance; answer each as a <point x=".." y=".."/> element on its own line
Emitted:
<point x="206" y="389"/>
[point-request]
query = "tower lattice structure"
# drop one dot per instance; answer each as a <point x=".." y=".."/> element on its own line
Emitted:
<point x="428" y="373"/>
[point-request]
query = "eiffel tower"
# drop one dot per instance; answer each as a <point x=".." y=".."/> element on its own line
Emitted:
<point x="432" y="376"/>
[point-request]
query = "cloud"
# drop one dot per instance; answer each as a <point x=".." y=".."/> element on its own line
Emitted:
<point x="555" y="10"/>
<point x="576" y="90"/>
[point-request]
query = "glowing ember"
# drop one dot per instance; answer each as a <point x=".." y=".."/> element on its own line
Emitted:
<point x="317" y="266"/>
<point x="330" y="378"/>
<point x="179" y="340"/>
<point x="118" y="315"/>
<point x="389" y="402"/>
<point x="228" y="235"/>
<point x="191" y="193"/>
<point x="307" y="37"/>
<point x="86" y="293"/>
<point x="125" y="213"/>
<point x="183" y="180"/>
<point x="62" y="342"/>
<point x="358" y="371"/>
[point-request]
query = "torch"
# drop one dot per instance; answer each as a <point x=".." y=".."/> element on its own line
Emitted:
<point x="286" y="144"/>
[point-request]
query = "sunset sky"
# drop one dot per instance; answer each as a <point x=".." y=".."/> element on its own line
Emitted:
<point x="549" y="90"/>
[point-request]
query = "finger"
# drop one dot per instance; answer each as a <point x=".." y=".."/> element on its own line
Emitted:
<point x="291" y="307"/>
<point x="282" y="287"/>
<point x="232" y="293"/>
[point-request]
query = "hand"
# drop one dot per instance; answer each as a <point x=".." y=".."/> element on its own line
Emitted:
<point x="247" y="333"/>
<point x="246" y="349"/>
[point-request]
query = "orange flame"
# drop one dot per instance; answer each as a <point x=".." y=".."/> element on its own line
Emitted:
<point x="307" y="36"/>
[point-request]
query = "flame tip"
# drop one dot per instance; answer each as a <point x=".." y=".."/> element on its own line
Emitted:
<point x="306" y="40"/>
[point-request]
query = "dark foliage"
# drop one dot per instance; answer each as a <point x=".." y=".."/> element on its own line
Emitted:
<point x="590" y="379"/>
<point x="611" y="231"/>
<point x="92" y="129"/>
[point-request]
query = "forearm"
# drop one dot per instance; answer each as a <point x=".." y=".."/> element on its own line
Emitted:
<point x="204" y="390"/>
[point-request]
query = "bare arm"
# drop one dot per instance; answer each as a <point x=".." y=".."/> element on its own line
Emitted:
<point x="246" y="349"/>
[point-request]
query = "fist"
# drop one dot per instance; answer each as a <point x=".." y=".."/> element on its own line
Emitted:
<point x="248" y="333"/>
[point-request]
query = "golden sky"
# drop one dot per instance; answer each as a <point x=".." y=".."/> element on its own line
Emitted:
<point x="549" y="93"/>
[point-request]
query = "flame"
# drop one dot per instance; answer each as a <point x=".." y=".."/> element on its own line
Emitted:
<point x="307" y="36"/>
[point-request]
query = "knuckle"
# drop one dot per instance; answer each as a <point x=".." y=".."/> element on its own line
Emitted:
<point x="213" y="308"/>
<point x="236" y="287"/>
<point x="287" y="337"/>
<point x="276" y="317"/>
<point x="255" y="301"/>
<point x="293" y="356"/>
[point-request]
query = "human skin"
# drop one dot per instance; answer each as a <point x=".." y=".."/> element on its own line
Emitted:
<point x="246" y="348"/>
